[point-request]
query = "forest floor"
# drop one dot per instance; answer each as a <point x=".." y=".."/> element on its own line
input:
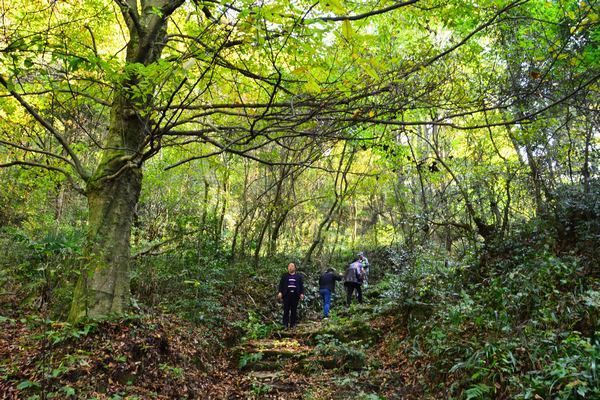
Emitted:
<point x="163" y="357"/>
<point x="159" y="357"/>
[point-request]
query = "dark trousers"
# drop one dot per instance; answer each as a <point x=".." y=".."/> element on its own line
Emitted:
<point x="350" y="288"/>
<point x="290" y="310"/>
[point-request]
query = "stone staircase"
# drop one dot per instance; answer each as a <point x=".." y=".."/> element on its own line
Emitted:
<point x="291" y="362"/>
<point x="273" y="367"/>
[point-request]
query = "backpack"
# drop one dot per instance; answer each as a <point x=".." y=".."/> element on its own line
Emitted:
<point x="355" y="273"/>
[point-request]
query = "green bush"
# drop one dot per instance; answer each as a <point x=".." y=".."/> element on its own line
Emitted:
<point x="254" y="328"/>
<point x="42" y="270"/>
<point x="348" y="356"/>
<point x="521" y="321"/>
<point x="576" y="222"/>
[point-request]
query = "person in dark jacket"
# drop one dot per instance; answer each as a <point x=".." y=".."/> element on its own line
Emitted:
<point x="353" y="281"/>
<point x="291" y="290"/>
<point x="326" y="288"/>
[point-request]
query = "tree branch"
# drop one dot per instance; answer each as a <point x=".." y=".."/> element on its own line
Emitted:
<point x="76" y="163"/>
<point x="48" y="167"/>
<point x="130" y="13"/>
<point x="47" y="153"/>
<point x="468" y="37"/>
<point x="524" y="119"/>
<point x="150" y="249"/>
<point x="370" y="13"/>
<point x="70" y="91"/>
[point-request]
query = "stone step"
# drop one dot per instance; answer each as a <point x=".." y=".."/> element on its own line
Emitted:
<point x="264" y="365"/>
<point x="270" y="354"/>
<point x="277" y="348"/>
<point x="265" y="376"/>
<point x="273" y="381"/>
<point x="303" y="331"/>
<point x="354" y="330"/>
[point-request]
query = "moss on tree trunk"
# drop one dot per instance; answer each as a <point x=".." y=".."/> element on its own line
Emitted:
<point x="112" y="194"/>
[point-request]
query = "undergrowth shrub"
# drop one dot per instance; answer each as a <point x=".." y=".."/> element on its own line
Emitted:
<point x="576" y="223"/>
<point x="197" y="280"/>
<point x="254" y="327"/>
<point x="185" y="281"/>
<point x="520" y="321"/>
<point x="346" y="356"/>
<point x="40" y="271"/>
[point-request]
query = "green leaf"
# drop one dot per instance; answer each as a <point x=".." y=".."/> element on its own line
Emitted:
<point x="312" y="86"/>
<point x="347" y="31"/>
<point x="299" y="71"/>
<point x="370" y="70"/>
<point x="27" y="384"/>
<point x="477" y="391"/>
<point x="69" y="391"/>
<point x="335" y="5"/>
<point x="156" y="11"/>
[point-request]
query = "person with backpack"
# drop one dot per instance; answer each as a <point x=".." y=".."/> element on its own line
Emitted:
<point x="327" y="288"/>
<point x="353" y="281"/>
<point x="291" y="291"/>
<point x="365" y="267"/>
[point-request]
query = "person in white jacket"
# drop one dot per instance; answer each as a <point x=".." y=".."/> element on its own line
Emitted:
<point x="365" y="267"/>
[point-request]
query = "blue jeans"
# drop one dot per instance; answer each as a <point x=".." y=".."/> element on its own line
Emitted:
<point x="326" y="296"/>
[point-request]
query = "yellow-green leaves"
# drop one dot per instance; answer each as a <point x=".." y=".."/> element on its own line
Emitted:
<point x="312" y="86"/>
<point x="334" y="5"/>
<point x="367" y="66"/>
<point x="347" y="31"/>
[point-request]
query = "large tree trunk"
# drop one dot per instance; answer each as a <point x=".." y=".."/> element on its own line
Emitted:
<point x="104" y="286"/>
<point x="114" y="188"/>
<point x="112" y="193"/>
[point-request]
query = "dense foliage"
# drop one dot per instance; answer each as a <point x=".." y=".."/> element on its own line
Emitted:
<point x="518" y="321"/>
